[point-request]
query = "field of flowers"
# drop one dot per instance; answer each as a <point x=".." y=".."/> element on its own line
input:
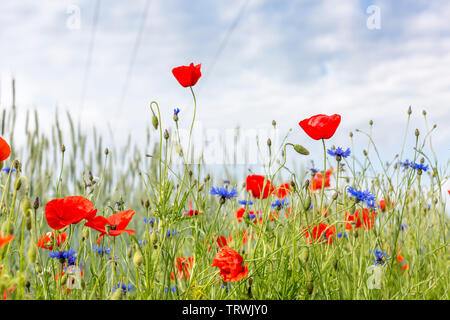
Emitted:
<point x="138" y="228"/>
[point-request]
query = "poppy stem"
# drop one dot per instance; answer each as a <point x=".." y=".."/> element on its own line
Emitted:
<point x="323" y="174"/>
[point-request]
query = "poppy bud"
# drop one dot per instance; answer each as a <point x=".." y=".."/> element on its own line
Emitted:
<point x="307" y="204"/>
<point x="371" y="122"/>
<point x="200" y="187"/>
<point x="166" y="134"/>
<point x="304" y="255"/>
<point x="416" y="133"/>
<point x="351" y="134"/>
<point x="138" y="258"/>
<point x="155" y="122"/>
<point x="31" y="254"/>
<point x="424" y="112"/>
<point x="300" y="149"/>
<point x="269" y="142"/>
<point x="106" y="151"/>
<point x="147" y="203"/>
<point x="335" y="195"/>
<point x="208" y="177"/>
<point x="434" y="126"/>
<point x="409" y="110"/>
<point x="63" y="148"/>
<point x="274" y="123"/>
<point x="28" y="223"/>
<point x="26" y="206"/>
<point x="365" y="152"/>
<point x="422" y="160"/>
<point x="18" y="184"/>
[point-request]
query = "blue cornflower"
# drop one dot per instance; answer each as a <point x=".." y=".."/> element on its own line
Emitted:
<point x="141" y="242"/>
<point x="176" y="111"/>
<point x="419" y="166"/>
<point x="243" y="202"/>
<point x="379" y="257"/>
<point x="314" y="171"/>
<point x="62" y="256"/>
<point x="173" y="289"/>
<point x="8" y="169"/>
<point x="339" y="153"/>
<point x="101" y="250"/>
<point x="403" y="226"/>
<point x="365" y="196"/>
<point x="125" y="288"/>
<point x="223" y="193"/>
<point x="150" y="221"/>
<point x="171" y="233"/>
<point x="406" y="164"/>
<point x="342" y="235"/>
<point x="280" y="204"/>
<point x="226" y="287"/>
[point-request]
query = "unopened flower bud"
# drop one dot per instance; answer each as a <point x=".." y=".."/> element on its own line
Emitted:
<point x="18" y="184"/>
<point x="304" y="255"/>
<point x="409" y="110"/>
<point x="416" y="133"/>
<point x="166" y="134"/>
<point x="31" y="254"/>
<point x="351" y="134"/>
<point x="371" y="122"/>
<point x="200" y="187"/>
<point x="424" y="112"/>
<point x="63" y="148"/>
<point x="269" y="142"/>
<point x="138" y="258"/>
<point x="307" y="204"/>
<point x="26" y="206"/>
<point x="155" y="122"/>
<point x="300" y="149"/>
<point x="106" y="151"/>
<point x="36" y="203"/>
<point x="274" y="123"/>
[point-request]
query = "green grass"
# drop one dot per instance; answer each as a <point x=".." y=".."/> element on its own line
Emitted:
<point x="281" y="264"/>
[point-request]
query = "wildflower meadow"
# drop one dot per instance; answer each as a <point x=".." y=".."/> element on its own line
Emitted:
<point x="141" y="228"/>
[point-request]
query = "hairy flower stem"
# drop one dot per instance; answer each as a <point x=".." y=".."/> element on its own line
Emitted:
<point x="323" y="174"/>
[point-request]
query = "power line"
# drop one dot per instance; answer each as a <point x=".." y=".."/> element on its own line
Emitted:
<point x="136" y="46"/>
<point x="89" y="55"/>
<point x="227" y="37"/>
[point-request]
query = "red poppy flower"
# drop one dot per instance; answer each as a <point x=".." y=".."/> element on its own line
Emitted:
<point x="366" y="221"/>
<point x="222" y="241"/>
<point x="230" y="264"/>
<point x="317" y="181"/>
<point x="184" y="267"/>
<point x="321" y="126"/>
<point x="5" y="240"/>
<point x="46" y="241"/>
<point x="5" y="149"/>
<point x="187" y="76"/>
<point x="117" y="224"/>
<point x="70" y="210"/>
<point x="321" y="232"/>
<point x="403" y="263"/>
<point x="191" y="212"/>
<point x="283" y="190"/>
<point x="383" y="205"/>
<point x="259" y="186"/>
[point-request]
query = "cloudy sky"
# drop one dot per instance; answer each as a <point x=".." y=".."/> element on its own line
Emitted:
<point x="104" y="61"/>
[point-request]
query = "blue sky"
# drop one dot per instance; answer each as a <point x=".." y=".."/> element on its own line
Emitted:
<point x="282" y="60"/>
